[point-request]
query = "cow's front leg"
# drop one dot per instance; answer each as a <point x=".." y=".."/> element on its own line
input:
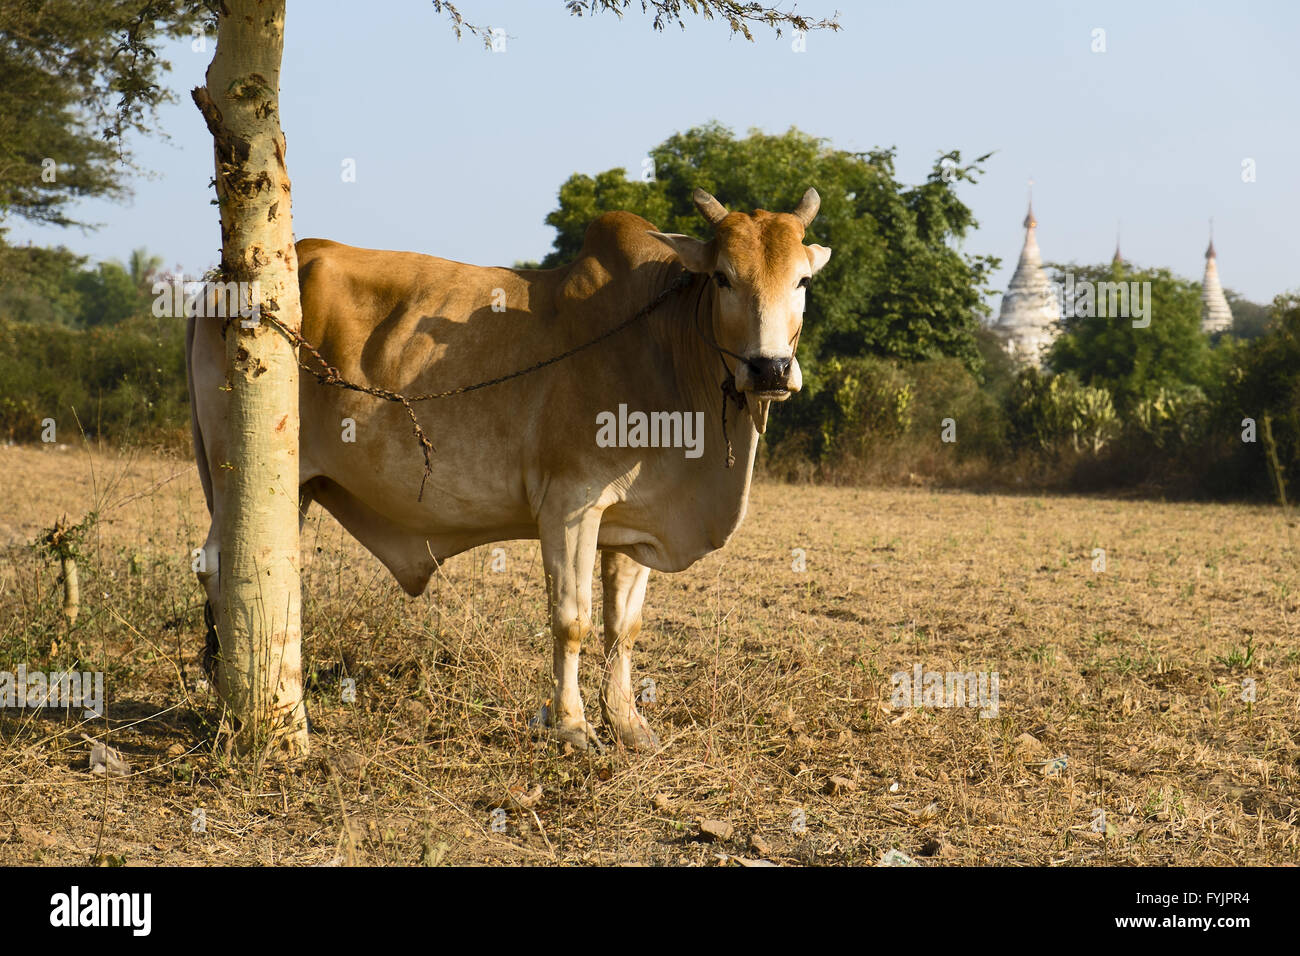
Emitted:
<point x="569" y="557"/>
<point x="624" y="583"/>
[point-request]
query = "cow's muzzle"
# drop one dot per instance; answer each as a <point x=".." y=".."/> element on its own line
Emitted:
<point x="765" y="380"/>
<point x="769" y="378"/>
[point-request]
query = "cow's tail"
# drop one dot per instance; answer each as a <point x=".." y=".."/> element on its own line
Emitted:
<point x="200" y="453"/>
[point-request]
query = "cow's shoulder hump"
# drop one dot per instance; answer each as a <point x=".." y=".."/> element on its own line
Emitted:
<point x="614" y="248"/>
<point x="622" y="239"/>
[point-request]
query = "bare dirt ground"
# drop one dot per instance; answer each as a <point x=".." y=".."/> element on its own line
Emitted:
<point x="1125" y="691"/>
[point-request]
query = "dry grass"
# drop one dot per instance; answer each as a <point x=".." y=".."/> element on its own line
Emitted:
<point x="768" y="683"/>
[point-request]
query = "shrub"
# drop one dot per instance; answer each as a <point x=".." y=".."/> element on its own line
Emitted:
<point x="1054" y="412"/>
<point x="124" y="383"/>
<point x="1172" y="418"/>
<point x="849" y="404"/>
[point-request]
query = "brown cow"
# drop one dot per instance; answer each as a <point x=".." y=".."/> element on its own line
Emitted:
<point x="560" y="454"/>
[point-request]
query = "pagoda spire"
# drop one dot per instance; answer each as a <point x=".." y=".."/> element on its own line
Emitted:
<point x="1030" y="257"/>
<point x="1031" y="308"/>
<point x="1216" y="314"/>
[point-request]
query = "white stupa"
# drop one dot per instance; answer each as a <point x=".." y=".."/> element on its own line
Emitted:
<point x="1216" y="315"/>
<point x="1028" y="320"/>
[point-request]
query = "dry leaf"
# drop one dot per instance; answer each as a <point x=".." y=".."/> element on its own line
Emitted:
<point x="104" y="760"/>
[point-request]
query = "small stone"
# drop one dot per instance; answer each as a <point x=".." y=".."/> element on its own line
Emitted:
<point x="759" y="845"/>
<point x="662" y="802"/>
<point x="836" y="786"/>
<point x="524" y="799"/>
<point x="715" y="831"/>
<point x="1028" y="744"/>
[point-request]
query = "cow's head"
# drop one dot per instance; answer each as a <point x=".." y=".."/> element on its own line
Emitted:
<point x="761" y="269"/>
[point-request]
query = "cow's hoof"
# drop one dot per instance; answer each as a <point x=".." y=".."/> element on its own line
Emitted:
<point x="579" y="735"/>
<point x="574" y="731"/>
<point x="634" y="733"/>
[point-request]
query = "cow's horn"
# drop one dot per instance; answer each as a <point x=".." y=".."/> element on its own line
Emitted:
<point x="806" y="211"/>
<point x="709" y="208"/>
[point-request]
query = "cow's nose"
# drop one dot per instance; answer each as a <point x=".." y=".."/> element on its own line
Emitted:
<point x="770" y="374"/>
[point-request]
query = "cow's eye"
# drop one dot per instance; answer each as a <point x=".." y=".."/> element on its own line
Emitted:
<point x="805" y="282"/>
<point x="721" y="279"/>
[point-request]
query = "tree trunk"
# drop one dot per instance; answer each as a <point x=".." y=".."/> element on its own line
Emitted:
<point x="258" y="620"/>
<point x="71" y="589"/>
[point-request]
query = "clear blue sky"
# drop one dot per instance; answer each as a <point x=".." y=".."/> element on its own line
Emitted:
<point x="459" y="152"/>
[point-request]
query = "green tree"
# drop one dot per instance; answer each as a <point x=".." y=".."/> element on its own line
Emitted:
<point x="1131" y="363"/>
<point x="1250" y="320"/>
<point x="896" y="286"/>
<point x="143" y="268"/>
<point x="75" y="75"/>
<point x="583" y="198"/>
<point x="1266" y="381"/>
<point x="124" y="383"/>
<point x="41" y="285"/>
<point x="108" y="295"/>
<point x="54" y="287"/>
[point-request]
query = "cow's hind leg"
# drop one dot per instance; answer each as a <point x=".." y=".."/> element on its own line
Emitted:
<point x="207" y="564"/>
<point x="624" y="584"/>
<point x="568" y="538"/>
<point x="201" y="374"/>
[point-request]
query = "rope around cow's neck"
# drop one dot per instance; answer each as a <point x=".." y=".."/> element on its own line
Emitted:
<point x="729" y="390"/>
<point x="327" y="374"/>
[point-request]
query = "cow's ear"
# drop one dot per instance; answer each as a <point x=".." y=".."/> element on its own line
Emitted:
<point x="818" y="256"/>
<point x="694" y="253"/>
